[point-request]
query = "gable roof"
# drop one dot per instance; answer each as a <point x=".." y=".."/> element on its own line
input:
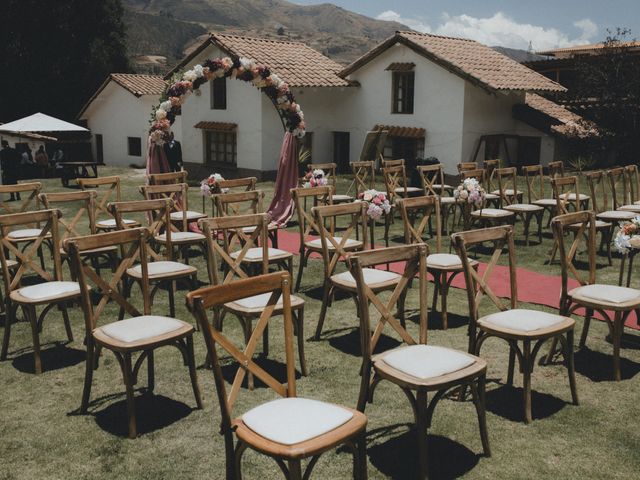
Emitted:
<point x="473" y="61"/>
<point x="134" y="83"/>
<point x="294" y="62"/>
<point x="592" y="48"/>
<point x="553" y="117"/>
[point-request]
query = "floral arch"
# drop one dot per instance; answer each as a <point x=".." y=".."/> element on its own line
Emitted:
<point x="278" y="91"/>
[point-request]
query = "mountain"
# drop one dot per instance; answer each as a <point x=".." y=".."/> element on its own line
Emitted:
<point x="160" y="31"/>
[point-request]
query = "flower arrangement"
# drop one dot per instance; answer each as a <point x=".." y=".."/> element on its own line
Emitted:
<point x="241" y="68"/>
<point x="315" y="178"/>
<point x="211" y="185"/>
<point x="377" y="202"/>
<point x="470" y="191"/>
<point x="628" y="235"/>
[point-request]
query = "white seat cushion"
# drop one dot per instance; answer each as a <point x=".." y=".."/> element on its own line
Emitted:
<point x="271" y="226"/>
<point x="525" y="207"/>
<point x="491" y="196"/>
<point x="349" y="243"/>
<point x="161" y="267"/>
<point x="342" y="198"/>
<point x="608" y="293"/>
<point x="190" y="214"/>
<point x="523" y="320"/>
<point x="44" y="291"/>
<point x="507" y="191"/>
<point x="293" y="420"/>
<point x="444" y="186"/>
<point x="260" y="301"/>
<point x="616" y="214"/>
<point x="546" y="202"/>
<point x="630" y="208"/>
<point x="427" y="361"/>
<point x="491" y="212"/>
<point x="637" y="202"/>
<point x="447" y="200"/>
<point x="111" y="222"/>
<point x="408" y="189"/>
<point x="25" y="233"/>
<point x="182" y="236"/>
<point x="256" y="253"/>
<point x="372" y="276"/>
<point x="443" y="260"/>
<point x="140" y="328"/>
<point x="572" y="196"/>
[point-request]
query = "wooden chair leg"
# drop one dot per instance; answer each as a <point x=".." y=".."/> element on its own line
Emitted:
<point x="127" y="374"/>
<point x="552" y="351"/>
<point x="327" y="291"/>
<point x="302" y="262"/>
<point x="67" y="323"/>
<point x="30" y="313"/>
<point x="444" y="286"/>
<point x="526" y="380"/>
<point x="571" y="370"/>
<point x="172" y="299"/>
<point x="421" y="432"/>
<point x="192" y="371"/>
<point x="618" y="326"/>
<point x="88" y="376"/>
<point x="295" y="470"/>
<point x="9" y="317"/>
<point x="151" y="377"/>
<point x="300" y="327"/>
<point x="585" y="327"/>
<point x="512" y="364"/>
<point x="478" y="391"/>
<point x="360" y="458"/>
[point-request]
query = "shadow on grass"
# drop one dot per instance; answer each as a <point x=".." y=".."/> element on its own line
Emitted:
<point x="453" y="320"/>
<point x="397" y="457"/>
<point x="277" y="370"/>
<point x="54" y="356"/>
<point x="153" y="412"/>
<point x="598" y="366"/>
<point x="507" y="402"/>
<point x="349" y="342"/>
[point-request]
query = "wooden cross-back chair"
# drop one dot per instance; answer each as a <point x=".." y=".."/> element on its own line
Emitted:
<point x="507" y="184"/>
<point x="309" y="242"/>
<point x="480" y="174"/>
<point x="432" y="179"/>
<point x="227" y="264"/>
<point x="524" y="330"/>
<point x="612" y="302"/>
<point x="399" y="162"/>
<point x="633" y="183"/>
<point x="244" y="203"/>
<point x="490" y="167"/>
<point x="396" y="184"/>
<point x="297" y="429"/>
<point x="556" y="169"/>
<point x="79" y="221"/>
<point x="110" y="193"/>
<point x="622" y="192"/>
<point x="335" y="249"/>
<point x="364" y="177"/>
<point x="464" y="166"/>
<point x="168" y="178"/>
<point x="483" y="216"/>
<point x="329" y="170"/>
<point x="162" y="270"/>
<point x="535" y="178"/>
<point x="417" y="368"/>
<point x="43" y="287"/>
<point x="233" y="185"/>
<point x="416" y="215"/>
<point x="141" y="333"/>
<point x="566" y="191"/>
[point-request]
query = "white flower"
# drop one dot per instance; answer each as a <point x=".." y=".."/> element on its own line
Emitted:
<point x="247" y="63"/>
<point x="189" y="76"/>
<point x="198" y="70"/>
<point x="622" y="242"/>
<point x="464" y="194"/>
<point x="166" y="106"/>
<point x="161" y="114"/>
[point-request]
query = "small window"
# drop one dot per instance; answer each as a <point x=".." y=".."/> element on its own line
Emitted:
<point x="403" y="86"/>
<point x="220" y="147"/>
<point x="135" y="146"/>
<point x="219" y="94"/>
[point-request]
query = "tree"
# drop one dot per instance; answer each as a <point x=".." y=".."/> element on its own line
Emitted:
<point x="607" y="92"/>
<point x="56" y="54"/>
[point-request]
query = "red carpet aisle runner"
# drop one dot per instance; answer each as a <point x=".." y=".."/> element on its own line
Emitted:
<point x="533" y="287"/>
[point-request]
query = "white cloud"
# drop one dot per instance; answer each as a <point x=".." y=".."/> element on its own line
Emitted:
<point x="501" y="30"/>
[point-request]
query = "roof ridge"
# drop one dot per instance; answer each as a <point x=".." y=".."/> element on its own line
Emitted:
<point x="259" y="39"/>
<point x="137" y="75"/>
<point x="425" y="34"/>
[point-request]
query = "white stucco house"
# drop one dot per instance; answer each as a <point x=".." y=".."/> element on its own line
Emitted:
<point x="450" y="98"/>
<point x="118" y="117"/>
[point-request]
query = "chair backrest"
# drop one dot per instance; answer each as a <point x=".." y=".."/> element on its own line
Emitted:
<point x="79" y="205"/>
<point x="463" y="166"/>
<point x="507" y="180"/>
<point x="201" y="301"/>
<point x="394" y="178"/>
<point x="178" y="193"/>
<point x="364" y="176"/>
<point x="399" y="162"/>
<point x="239" y="184"/>
<point x="27" y="257"/>
<point x="111" y="192"/>
<point x="478" y="284"/>
<point x="334" y="249"/>
<point x="534" y="176"/>
<point x="420" y="210"/>
<point x="633" y="182"/>
<point x="585" y="222"/>
<point x="157" y="214"/>
<point x="133" y="245"/>
<point x="556" y="169"/>
<point x="597" y="190"/>
<point x="477" y="173"/>
<point x="329" y="170"/>
<point x="414" y="258"/>
<point x="167" y="178"/>
<point x="432" y="179"/>
<point x="235" y="244"/>
<point x="238" y="203"/>
<point x="30" y="202"/>
<point x="619" y="187"/>
<point x="490" y="167"/>
<point x="566" y="192"/>
<point x="306" y="222"/>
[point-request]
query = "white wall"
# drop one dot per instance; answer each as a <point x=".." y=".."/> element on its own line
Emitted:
<point x="117" y="114"/>
<point x="438" y="104"/>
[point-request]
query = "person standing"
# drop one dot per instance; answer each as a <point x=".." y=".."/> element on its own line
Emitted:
<point x="42" y="161"/>
<point x="10" y="162"/>
<point x="173" y="151"/>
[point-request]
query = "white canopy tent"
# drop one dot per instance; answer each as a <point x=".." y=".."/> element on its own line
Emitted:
<point x="39" y="122"/>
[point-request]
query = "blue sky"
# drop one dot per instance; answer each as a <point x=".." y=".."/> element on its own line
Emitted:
<point x="544" y="24"/>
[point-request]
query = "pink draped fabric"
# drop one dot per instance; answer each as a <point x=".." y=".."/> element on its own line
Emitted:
<point x="156" y="159"/>
<point x="281" y="208"/>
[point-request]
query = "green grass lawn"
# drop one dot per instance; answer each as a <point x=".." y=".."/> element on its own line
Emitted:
<point x="42" y="435"/>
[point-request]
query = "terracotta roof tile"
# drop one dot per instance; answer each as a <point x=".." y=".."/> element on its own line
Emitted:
<point x="400" y="131"/>
<point x="593" y="47"/>
<point x="565" y="121"/>
<point x="217" y="126"/>
<point x="469" y="59"/>
<point x="140" y="84"/>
